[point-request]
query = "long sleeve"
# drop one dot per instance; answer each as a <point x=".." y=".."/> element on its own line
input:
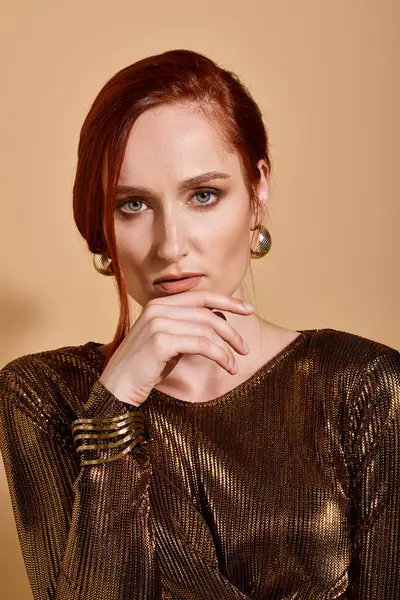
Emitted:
<point x="375" y="478"/>
<point x="287" y="485"/>
<point x="83" y="528"/>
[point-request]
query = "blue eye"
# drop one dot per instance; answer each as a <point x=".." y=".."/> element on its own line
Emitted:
<point x="130" y="201"/>
<point x="201" y="206"/>
<point x="216" y="193"/>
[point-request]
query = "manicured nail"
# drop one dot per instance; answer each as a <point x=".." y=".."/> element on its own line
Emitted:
<point x="248" y="306"/>
<point x="235" y="368"/>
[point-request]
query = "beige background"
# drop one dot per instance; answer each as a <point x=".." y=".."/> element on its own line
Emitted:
<point x="325" y="75"/>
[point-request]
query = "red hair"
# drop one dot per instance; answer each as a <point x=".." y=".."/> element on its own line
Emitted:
<point x="173" y="77"/>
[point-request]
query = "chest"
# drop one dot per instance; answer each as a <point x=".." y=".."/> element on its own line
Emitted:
<point x="260" y="495"/>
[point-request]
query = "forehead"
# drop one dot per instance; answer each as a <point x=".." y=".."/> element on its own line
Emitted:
<point x="174" y="140"/>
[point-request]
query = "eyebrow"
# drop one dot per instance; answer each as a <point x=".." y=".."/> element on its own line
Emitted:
<point x="184" y="185"/>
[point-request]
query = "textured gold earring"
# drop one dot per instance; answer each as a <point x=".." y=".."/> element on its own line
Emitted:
<point x="264" y="243"/>
<point x="106" y="267"/>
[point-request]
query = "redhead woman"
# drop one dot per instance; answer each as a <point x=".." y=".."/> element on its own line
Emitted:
<point x="204" y="453"/>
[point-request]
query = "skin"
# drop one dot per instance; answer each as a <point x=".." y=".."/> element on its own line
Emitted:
<point x="168" y="231"/>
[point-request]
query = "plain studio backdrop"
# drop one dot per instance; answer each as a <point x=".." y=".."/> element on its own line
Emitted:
<point x="325" y="75"/>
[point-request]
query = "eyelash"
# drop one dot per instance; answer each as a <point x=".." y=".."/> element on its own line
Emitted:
<point x="216" y="192"/>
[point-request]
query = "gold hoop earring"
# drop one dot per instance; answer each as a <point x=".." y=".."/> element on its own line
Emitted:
<point x="105" y="268"/>
<point x="264" y="243"/>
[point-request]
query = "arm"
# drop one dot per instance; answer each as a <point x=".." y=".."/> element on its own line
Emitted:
<point x="83" y="528"/>
<point x="375" y="479"/>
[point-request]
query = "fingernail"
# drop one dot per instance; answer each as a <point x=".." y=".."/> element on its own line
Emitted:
<point x="248" y="306"/>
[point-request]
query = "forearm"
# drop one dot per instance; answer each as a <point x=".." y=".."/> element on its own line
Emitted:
<point x="83" y="529"/>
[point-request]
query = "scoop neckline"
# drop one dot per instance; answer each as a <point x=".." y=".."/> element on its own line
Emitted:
<point x="265" y="369"/>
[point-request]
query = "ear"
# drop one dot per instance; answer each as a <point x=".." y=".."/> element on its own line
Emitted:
<point x="262" y="193"/>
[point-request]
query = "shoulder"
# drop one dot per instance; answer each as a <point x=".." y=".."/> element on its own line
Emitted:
<point x="364" y="390"/>
<point x="49" y="365"/>
<point x="347" y="342"/>
<point x="48" y="385"/>
<point x="365" y="372"/>
<point x="342" y="363"/>
<point x="356" y="380"/>
<point x="350" y="350"/>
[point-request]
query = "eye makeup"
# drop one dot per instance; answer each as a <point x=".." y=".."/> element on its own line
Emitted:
<point x="212" y="191"/>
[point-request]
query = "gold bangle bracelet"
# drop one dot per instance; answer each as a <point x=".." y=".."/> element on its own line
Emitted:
<point x="131" y="423"/>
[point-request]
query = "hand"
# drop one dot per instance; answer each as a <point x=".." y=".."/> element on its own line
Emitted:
<point x="168" y="328"/>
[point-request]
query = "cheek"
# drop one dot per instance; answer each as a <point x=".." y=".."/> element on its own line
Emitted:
<point x="230" y="234"/>
<point x="130" y="252"/>
<point x="230" y="246"/>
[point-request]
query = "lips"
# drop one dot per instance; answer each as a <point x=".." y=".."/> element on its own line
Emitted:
<point x="183" y="276"/>
<point x="179" y="285"/>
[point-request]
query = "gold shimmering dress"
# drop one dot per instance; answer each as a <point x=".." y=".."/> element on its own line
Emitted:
<point x="286" y="487"/>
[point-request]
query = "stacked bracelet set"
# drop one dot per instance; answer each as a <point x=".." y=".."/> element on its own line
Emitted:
<point x="130" y="423"/>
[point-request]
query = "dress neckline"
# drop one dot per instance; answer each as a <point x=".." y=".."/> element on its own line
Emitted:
<point x="242" y="387"/>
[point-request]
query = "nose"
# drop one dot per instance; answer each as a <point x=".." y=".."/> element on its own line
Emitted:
<point x="172" y="238"/>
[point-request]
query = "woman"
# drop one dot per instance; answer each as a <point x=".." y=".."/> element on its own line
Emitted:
<point x="152" y="467"/>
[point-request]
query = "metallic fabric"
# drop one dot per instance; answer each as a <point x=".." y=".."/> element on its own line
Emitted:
<point x="285" y="488"/>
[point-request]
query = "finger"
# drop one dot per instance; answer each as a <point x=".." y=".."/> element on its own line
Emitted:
<point x="210" y="300"/>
